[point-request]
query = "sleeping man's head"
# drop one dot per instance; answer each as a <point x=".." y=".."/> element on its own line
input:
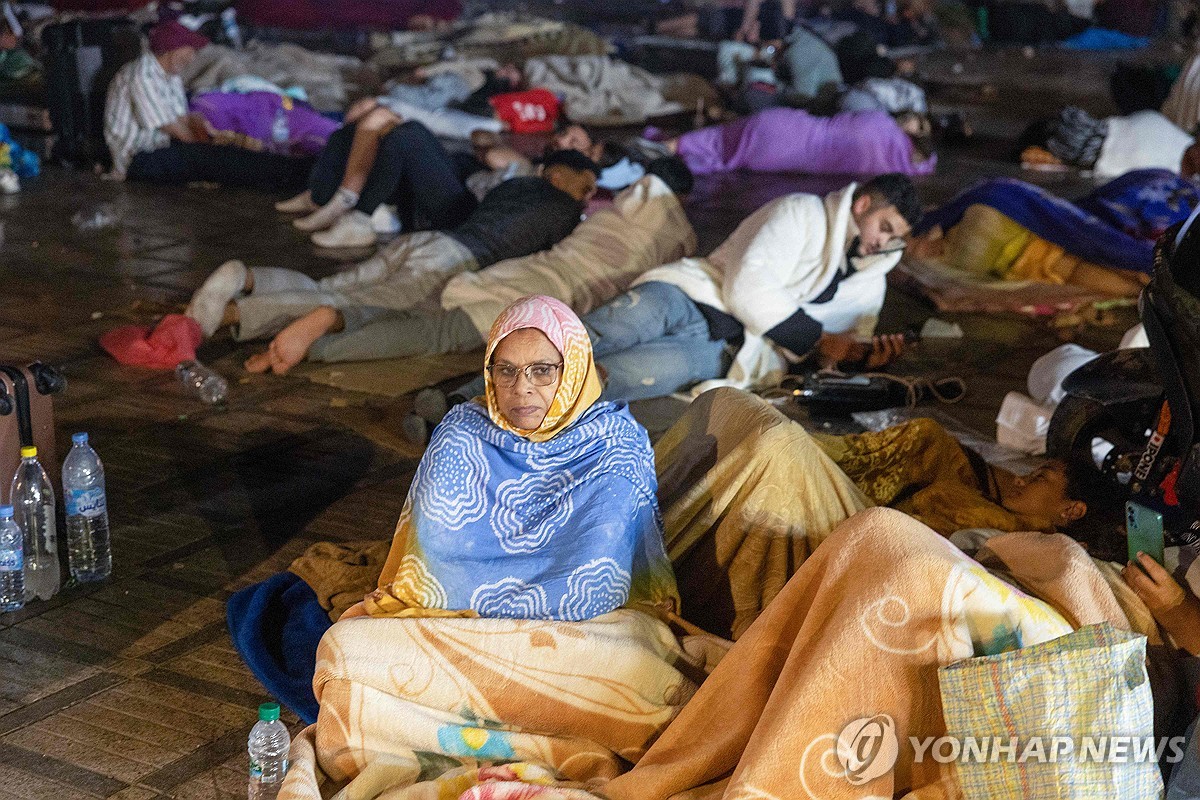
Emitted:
<point x="886" y="209"/>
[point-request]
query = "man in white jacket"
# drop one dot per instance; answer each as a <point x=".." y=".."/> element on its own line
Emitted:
<point x="801" y="274"/>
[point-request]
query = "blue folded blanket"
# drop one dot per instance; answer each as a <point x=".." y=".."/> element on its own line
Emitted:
<point x="276" y="626"/>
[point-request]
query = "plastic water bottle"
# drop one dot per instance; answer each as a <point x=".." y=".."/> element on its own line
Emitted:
<point x="89" y="551"/>
<point x="280" y="131"/>
<point x="269" y="744"/>
<point x="33" y="507"/>
<point x="12" y="562"/>
<point x="202" y="382"/>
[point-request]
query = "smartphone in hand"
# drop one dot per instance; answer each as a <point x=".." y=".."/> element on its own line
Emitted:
<point x="1144" y="531"/>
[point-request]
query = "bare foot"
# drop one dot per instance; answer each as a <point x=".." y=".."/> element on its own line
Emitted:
<point x="291" y="345"/>
<point x="258" y="363"/>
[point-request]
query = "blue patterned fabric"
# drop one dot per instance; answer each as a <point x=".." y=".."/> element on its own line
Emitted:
<point x="564" y="529"/>
<point x="1114" y="226"/>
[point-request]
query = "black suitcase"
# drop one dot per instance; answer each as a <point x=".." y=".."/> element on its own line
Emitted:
<point x="81" y="58"/>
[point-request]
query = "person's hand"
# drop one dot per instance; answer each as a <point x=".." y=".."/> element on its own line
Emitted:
<point x="1151" y="582"/>
<point x="201" y="130"/>
<point x="881" y="351"/>
<point x="1174" y="607"/>
<point x="836" y="347"/>
<point x="885" y="349"/>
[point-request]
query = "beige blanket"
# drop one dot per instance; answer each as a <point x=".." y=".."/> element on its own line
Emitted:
<point x="329" y="80"/>
<point x="645" y="227"/>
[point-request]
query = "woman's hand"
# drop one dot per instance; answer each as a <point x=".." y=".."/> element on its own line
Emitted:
<point x="1174" y="607"/>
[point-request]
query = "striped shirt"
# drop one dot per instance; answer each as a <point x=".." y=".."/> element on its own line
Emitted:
<point x="142" y="98"/>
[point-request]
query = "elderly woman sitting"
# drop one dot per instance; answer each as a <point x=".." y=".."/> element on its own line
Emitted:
<point x="538" y="502"/>
<point x="530" y="543"/>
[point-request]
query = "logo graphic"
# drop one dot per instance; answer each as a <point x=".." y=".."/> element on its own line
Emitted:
<point x="868" y="748"/>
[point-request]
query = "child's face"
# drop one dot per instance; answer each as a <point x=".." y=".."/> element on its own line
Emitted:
<point x="8" y="40"/>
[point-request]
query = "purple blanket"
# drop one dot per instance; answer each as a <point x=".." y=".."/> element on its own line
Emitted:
<point x="790" y="140"/>
<point x="253" y="115"/>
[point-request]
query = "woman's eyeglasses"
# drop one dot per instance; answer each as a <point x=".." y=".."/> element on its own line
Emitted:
<point x="506" y="375"/>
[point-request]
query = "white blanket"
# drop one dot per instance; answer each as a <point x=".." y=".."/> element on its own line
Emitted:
<point x="1145" y="140"/>
<point x="777" y="261"/>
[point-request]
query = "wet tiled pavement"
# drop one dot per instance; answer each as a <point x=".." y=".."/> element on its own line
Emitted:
<point x="132" y="689"/>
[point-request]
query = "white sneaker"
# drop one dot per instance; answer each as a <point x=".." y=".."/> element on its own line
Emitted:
<point x="9" y="182"/>
<point x="351" y="230"/>
<point x="386" y="221"/>
<point x="323" y="217"/>
<point x="209" y="302"/>
<point x="300" y="204"/>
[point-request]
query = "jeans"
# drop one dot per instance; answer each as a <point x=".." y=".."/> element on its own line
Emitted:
<point x="185" y="162"/>
<point x="412" y="170"/>
<point x="653" y="341"/>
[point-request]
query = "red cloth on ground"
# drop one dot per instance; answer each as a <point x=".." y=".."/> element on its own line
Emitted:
<point x="530" y="111"/>
<point x="175" y="339"/>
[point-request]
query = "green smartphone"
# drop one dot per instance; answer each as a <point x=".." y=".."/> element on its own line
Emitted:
<point x="1144" y="531"/>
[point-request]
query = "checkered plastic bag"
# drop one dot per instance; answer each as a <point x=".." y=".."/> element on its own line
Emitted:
<point x="1069" y="718"/>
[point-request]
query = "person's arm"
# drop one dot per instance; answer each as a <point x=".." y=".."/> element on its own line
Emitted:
<point x="1174" y="607"/>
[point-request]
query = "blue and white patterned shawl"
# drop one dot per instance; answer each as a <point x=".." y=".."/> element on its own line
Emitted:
<point x="504" y="527"/>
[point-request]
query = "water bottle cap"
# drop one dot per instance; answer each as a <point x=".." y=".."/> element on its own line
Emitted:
<point x="28" y="452"/>
<point x="79" y="438"/>
<point x="6" y="512"/>
<point x="268" y="712"/>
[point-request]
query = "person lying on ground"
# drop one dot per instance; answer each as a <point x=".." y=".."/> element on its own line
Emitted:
<point x="920" y="469"/>
<point x="621" y="164"/>
<point x="152" y="137"/>
<point x="792" y="140"/>
<point x="355" y="168"/>
<point x="1006" y="229"/>
<point x="607" y="253"/>
<point x="644" y="227"/>
<point x="518" y="217"/>
<point x="1109" y="147"/>
<point x="451" y="97"/>
<point x="801" y="274"/>
<point x="264" y="121"/>
<point x="378" y="160"/>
